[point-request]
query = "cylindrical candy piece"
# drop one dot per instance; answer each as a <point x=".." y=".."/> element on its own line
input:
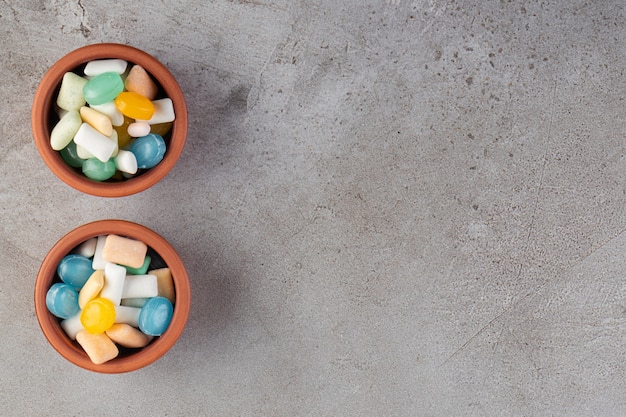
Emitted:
<point x="128" y="336"/>
<point x="91" y="289"/>
<point x="102" y="88"/>
<point x="98" y="315"/>
<point x="97" y="144"/>
<point x="149" y="150"/>
<point x="65" y="130"/>
<point x="75" y="270"/>
<point x="139" y="81"/>
<point x="138" y="129"/>
<point x="134" y="105"/>
<point x="155" y="316"/>
<point x="62" y="300"/>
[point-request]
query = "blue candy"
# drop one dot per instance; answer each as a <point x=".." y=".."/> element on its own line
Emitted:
<point x="148" y="150"/>
<point x="155" y="316"/>
<point x="75" y="270"/>
<point x="62" y="300"/>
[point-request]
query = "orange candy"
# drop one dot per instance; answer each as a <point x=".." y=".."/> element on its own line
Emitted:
<point x="134" y="105"/>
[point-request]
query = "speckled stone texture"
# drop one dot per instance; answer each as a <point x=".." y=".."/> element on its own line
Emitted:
<point x="386" y="208"/>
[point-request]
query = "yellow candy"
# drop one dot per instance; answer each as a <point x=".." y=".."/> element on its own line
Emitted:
<point x="91" y="289"/>
<point x="134" y="105"/>
<point x="123" y="138"/>
<point x="99" y="121"/>
<point x="98" y="315"/>
<point x="161" y="129"/>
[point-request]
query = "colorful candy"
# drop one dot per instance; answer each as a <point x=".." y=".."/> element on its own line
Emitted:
<point x="148" y="150"/>
<point x="106" y="112"/>
<point x="101" y="302"/>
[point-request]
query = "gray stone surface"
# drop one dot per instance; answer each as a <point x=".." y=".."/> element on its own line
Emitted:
<point x="387" y="208"/>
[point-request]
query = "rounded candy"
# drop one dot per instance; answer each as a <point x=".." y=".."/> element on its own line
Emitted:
<point x="149" y="150"/>
<point x="155" y="316"/>
<point x="62" y="300"/>
<point x="134" y="105"/>
<point x="97" y="170"/>
<point x="70" y="155"/>
<point x="103" y="88"/>
<point x="98" y="315"/>
<point x="138" y="129"/>
<point x="75" y="270"/>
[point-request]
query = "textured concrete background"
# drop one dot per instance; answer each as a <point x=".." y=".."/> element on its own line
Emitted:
<point x="387" y="208"/>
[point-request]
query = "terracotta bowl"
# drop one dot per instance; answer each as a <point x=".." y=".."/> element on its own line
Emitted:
<point x="129" y="359"/>
<point x="44" y="118"/>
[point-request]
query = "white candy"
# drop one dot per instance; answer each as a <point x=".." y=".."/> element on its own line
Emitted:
<point x="128" y="315"/>
<point x="101" y="66"/>
<point x="100" y="146"/>
<point x="114" y="276"/>
<point x="110" y="109"/>
<point x="72" y="326"/>
<point x="163" y="112"/>
<point x="138" y="286"/>
<point x="87" y="248"/>
<point x="98" y="261"/>
<point x="138" y="129"/>
<point x="125" y="161"/>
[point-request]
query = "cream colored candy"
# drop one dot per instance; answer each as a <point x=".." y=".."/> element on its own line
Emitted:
<point x="70" y="95"/>
<point x="87" y="248"/>
<point x="165" y="283"/>
<point x="139" y="81"/>
<point x="138" y="129"/>
<point x="99" y="121"/>
<point x="72" y="326"/>
<point x="65" y="130"/>
<point x="98" y="262"/>
<point x="110" y="109"/>
<point x="127" y="315"/>
<point x="125" y="161"/>
<point x="101" y="66"/>
<point x="124" y="251"/>
<point x="91" y="289"/>
<point x="128" y="336"/>
<point x="163" y="112"/>
<point x="114" y="276"/>
<point x="99" y="347"/>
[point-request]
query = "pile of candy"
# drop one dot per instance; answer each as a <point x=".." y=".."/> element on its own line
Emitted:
<point x="111" y="123"/>
<point x="107" y="296"/>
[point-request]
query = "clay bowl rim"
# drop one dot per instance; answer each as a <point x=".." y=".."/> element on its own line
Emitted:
<point x="44" y="100"/>
<point x="72" y="351"/>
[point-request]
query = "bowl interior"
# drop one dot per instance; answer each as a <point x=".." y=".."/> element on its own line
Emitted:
<point x="44" y="118"/>
<point x="129" y="359"/>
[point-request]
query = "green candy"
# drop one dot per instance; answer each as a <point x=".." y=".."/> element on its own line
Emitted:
<point x="97" y="170"/>
<point x="103" y="88"/>
<point x="141" y="270"/>
<point x="70" y="156"/>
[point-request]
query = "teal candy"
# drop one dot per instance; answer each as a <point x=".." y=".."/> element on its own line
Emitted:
<point x="103" y="88"/>
<point x="155" y="316"/>
<point x="97" y="170"/>
<point x="62" y="300"/>
<point x="75" y="270"/>
<point x="148" y="150"/>
<point x="70" y="156"/>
